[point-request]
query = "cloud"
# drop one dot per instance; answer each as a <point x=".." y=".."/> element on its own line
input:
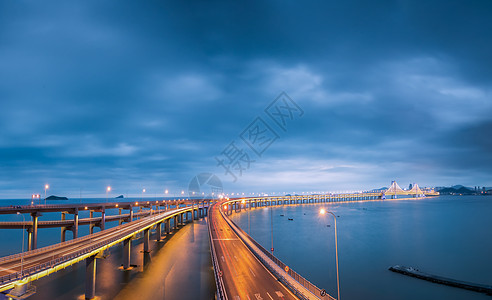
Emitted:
<point x="133" y="94"/>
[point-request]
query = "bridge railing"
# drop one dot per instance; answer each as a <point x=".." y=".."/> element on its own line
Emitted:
<point x="221" y="295"/>
<point x="320" y="293"/>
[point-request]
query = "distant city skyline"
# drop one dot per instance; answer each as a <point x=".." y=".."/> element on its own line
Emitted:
<point x="149" y="95"/>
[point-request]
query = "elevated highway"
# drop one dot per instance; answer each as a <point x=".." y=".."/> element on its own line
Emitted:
<point x="20" y="269"/>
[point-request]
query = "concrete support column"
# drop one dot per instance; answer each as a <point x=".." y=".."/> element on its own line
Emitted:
<point x="175" y="222"/>
<point x="63" y="229"/>
<point x="147" y="240"/>
<point x="91" y="226"/>
<point x="120" y="221"/>
<point x="90" y="277"/>
<point x="34" y="230"/>
<point x="159" y="229"/>
<point x="63" y="234"/>
<point x="29" y="239"/>
<point x="167" y="226"/>
<point x="127" y="245"/>
<point x="103" y="218"/>
<point x="131" y="213"/>
<point x="75" y="223"/>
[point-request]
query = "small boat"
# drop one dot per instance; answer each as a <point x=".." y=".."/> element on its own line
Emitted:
<point x="281" y="215"/>
<point x="290" y="219"/>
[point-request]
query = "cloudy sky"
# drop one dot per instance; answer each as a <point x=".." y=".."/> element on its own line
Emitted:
<point x="148" y="94"/>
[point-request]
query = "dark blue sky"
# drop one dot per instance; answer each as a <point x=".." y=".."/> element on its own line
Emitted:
<point x="149" y="94"/>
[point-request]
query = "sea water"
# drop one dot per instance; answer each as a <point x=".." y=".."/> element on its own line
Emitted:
<point x="449" y="236"/>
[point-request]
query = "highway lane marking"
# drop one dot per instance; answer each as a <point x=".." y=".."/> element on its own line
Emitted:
<point x="252" y="272"/>
<point x="222" y="257"/>
<point x="258" y="297"/>
<point x="238" y="298"/>
<point x="235" y="257"/>
<point x="224" y="239"/>
<point x="279" y="293"/>
<point x="269" y="296"/>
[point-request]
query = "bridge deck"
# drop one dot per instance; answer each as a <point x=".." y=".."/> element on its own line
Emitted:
<point x="43" y="261"/>
<point x="243" y="275"/>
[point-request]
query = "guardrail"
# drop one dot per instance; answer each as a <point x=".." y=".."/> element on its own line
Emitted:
<point x="320" y="293"/>
<point x="219" y="283"/>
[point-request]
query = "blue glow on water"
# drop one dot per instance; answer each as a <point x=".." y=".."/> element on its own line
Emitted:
<point x="447" y="235"/>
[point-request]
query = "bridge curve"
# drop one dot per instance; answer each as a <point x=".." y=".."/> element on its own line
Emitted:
<point x="18" y="269"/>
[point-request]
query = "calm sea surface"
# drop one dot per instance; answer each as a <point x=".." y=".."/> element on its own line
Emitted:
<point x="448" y="235"/>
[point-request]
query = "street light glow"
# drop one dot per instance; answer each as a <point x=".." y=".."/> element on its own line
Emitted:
<point x="108" y="189"/>
<point x="322" y="211"/>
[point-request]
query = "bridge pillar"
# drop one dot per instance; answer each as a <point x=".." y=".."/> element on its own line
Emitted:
<point x="91" y="226"/>
<point x="103" y="218"/>
<point x="131" y="213"/>
<point x="63" y="234"/>
<point x="146" y="240"/>
<point x="90" y="277"/>
<point x="127" y="245"/>
<point x="195" y="210"/>
<point x="75" y="223"/>
<point x="120" y="221"/>
<point x="167" y="226"/>
<point x="159" y="233"/>
<point x="29" y="238"/>
<point x="63" y="229"/>
<point x="34" y="230"/>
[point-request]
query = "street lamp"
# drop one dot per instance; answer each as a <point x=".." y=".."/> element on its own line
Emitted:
<point x="323" y="212"/>
<point x="46" y="187"/>
<point x="271" y="221"/>
<point x="22" y="253"/>
<point x="108" y="189"/>
<point x="143" y="191"/>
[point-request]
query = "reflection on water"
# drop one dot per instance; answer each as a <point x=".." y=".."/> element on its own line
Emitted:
<point x="448" y="236"/>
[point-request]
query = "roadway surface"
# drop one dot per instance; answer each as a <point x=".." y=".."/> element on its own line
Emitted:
<point x="243" y="275"/>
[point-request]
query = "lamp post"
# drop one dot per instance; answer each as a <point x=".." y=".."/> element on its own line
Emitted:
<point x="322" y="212"/>
<point x="22" y="253"/>
<point x="271" y="222"/>
<point x="143" y="191"/>
<point x="46" y="187"/>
